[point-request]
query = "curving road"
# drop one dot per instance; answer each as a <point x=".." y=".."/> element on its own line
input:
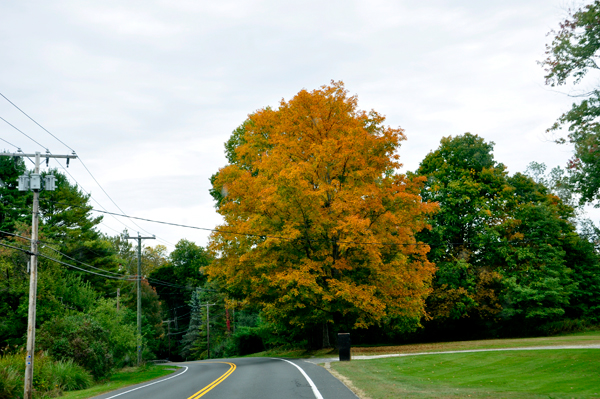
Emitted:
<point x="248" y="378"/>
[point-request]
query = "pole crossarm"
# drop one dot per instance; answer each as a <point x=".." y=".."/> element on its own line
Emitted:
<point x="21" y="154"/>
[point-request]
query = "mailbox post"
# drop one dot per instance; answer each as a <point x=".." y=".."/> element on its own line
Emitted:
<point x="344" y="346"/>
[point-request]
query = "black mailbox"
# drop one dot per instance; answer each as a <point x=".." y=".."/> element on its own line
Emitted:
<point x="344" y="346"/>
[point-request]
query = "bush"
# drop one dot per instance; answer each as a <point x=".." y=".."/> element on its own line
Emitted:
<point x="50" y="377"/>
<point x="99" y="341"/>
<point x="81" y="339"/>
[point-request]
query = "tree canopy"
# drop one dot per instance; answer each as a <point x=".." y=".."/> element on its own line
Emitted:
<point x="507" y="253"/>
<point x="571" y="56"/>
<point x="319" y="226"/>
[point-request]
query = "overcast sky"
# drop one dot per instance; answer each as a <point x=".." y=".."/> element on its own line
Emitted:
<point x="147" y="92"/>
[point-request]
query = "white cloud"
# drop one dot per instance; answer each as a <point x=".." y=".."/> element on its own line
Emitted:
<point x="148" y="92"/>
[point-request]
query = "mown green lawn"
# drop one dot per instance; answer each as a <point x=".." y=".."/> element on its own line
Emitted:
<point x="508" y="374"/>
<point x="580" y="338"/>
<point x="123" y="378"/>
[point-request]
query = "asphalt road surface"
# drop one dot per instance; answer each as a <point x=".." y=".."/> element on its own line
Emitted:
<point x="248" y="378"/>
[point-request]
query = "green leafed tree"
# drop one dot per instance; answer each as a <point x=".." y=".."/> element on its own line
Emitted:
<point x="504" y="245"/>
<point x="572" y="56"/>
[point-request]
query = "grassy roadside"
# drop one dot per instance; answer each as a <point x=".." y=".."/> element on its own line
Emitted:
<point x="296" y="353"/>
<point x="523" y="374"/>
<point x="125" y="377"/>
<point x="581" y="338"/>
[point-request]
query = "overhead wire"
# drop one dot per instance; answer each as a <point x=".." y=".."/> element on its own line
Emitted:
<point x="9" y="143"/>
<point x="90" y="195"/>
<point x="264" y="235"/>
<point x="46" y="245"/>
<point x="78" y="157"/>
<point x="28" y="252"/>
<point x="23" y="133"/>
<point x="129" y="278"/>
<point x="34" y="121"/>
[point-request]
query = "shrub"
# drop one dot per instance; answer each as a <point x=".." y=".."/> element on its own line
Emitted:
<point x="50" y="377"/>
<point x="79" y="338"/>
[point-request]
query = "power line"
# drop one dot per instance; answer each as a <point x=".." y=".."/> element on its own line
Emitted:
<point x="63" y="263"/>
<point x="150" y="280"/>
<point x="261" y="235"/>
<point x="109" y="197"/>
<point x="99" y="204"/>
<point x="28" y="252"/>
<point x="10" y="143"/>
<point x="84" y="270"/>
<point x="63" y="254"/>
<point x="90" y="195"/>
<point x="23" y="133"/>
<point x="34" y="121"/>
<point x="63" y="143"/>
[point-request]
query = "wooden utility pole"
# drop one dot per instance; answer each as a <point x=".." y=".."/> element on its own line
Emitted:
<point x="28" y="394"/>
<point x="139" y="293"/>
<point x="34" y="183"/>
<point x="118" y="297"/>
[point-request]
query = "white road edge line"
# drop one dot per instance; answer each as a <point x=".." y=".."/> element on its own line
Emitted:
<point x="310" y="382"/>
<point x="147" y="385"/>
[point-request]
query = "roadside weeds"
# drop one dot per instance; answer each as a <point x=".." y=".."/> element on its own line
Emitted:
<point x="347" y="382"/>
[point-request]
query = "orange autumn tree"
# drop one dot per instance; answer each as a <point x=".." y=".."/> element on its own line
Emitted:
<point x="319" y="225"/>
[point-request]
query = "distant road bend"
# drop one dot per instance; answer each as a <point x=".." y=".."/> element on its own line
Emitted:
<point x="248" y="378"/>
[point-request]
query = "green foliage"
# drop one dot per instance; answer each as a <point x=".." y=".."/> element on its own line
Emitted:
<point x="508" y="256"/>
<point x="59" y="292"/>
<point x="188" y="259"/>
<point x="122" y="335"/>
<point x="50" y="379"/>
<point x="194" y="342"/>
<point x="152" y="315"/>
<point x="14" y="204"/>
<point x="79" y="338"/>
<point x="571" y="55"/>
<point x="182" y="271"/>
<point x="98" y="340"/>
<point x="473" y="193"/>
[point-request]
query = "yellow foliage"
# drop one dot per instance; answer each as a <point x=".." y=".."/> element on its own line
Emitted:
<point x="317" y="220"/>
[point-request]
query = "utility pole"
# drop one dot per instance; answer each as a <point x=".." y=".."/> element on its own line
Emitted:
<point x="139" y="293"/>
<point x="208" y="328"/>
<point x="118" y="297"/>
<point x="34" y="182"/>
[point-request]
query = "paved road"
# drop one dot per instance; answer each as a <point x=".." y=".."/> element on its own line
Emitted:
<point x="248" y="378"/>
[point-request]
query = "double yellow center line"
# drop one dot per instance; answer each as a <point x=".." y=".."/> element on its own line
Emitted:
<point x="216" y="382"/>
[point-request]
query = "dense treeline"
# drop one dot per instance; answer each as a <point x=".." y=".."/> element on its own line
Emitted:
<point x="336" y="240"/>
<point x="509" y="258"/>
<point x="509" y="261"/>
<point x="322" y="234"/>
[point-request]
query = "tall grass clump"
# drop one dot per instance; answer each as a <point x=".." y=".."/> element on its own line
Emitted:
<point x="50" y="378"/>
